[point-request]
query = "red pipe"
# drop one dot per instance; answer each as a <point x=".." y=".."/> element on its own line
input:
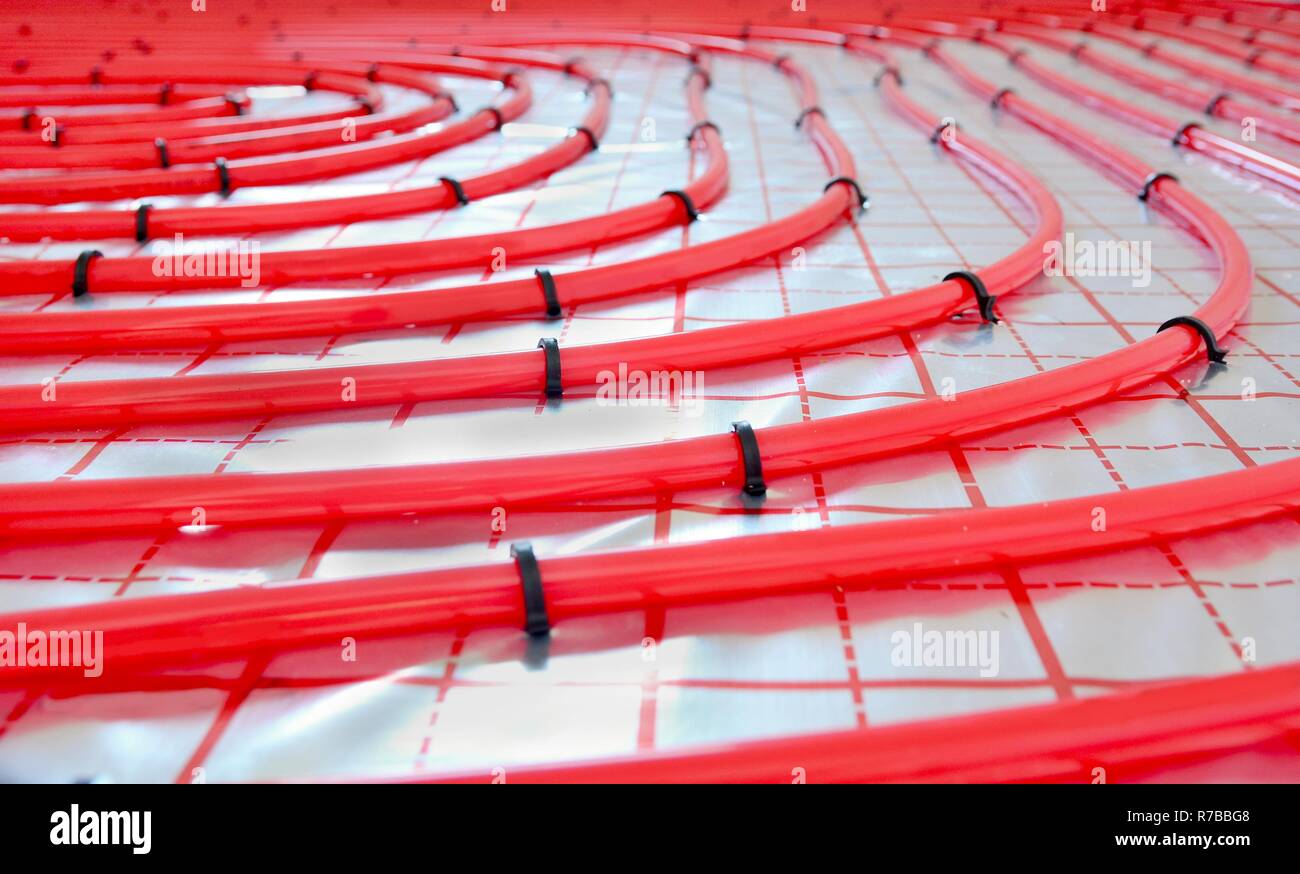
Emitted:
<point x="910" y="752"/>
<point x="196" y="221"/>
<point x="1262" y="164"/>
<point x="389" y="259"/>
<point x="1214" y="104"/>
<point x="116" y="95"/>
<point x="151" y="633"/>
<point x="1237" y="82"/>
<point x="101" y="330"/>
<point x="1126" y="733"/>
<point x="130" y="152"/>
<point x="263" y="499"/>
<point x="310" y="165"/>
<point x="134" y="401"/>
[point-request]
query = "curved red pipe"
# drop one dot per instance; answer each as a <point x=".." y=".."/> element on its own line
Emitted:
<point x="263" y="499"/>
<point x="171" y="630"/>
<point x="1126" y="733"/>
<point x="122" y="402"/>
<point x="912" y="752"/>
<point x="129" y="147"/>
<point x="101" y="330"/>
<point x="317" y="163"/>
<point x="1216" y="104"/>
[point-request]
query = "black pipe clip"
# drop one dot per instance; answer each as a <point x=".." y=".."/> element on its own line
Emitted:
<point x="142" y="222"/>
<point x="751" y="459"/>
<point x="457" y="191"/>
<point x="551" y="349"/>
<point x="864" y="202"/>
<point x="591" y="137"/>
<point x="164" y="158"/>
<point x="553" y="308"/>
<point x="536" y="621"/>
<point x="1213" y="350"/>
<point x="890" y="70"/>
<point x="798" y="122"/>
<point x="982" y="296"/>
<point x="1145" y="194"/>
<point x="692" y="214"/>
<point x="1215" y="101"/>
<point x="995" y="102"/>
<point x="223" y="175"/>
<point x="496" y="116"/>
<point x="447" y="96"/>
<point x="1182" y="132"/>
<point x="79" y="270"/>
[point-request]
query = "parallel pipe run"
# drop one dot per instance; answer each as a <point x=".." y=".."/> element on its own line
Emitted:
<point x="390" y="259"/>
<point x="159" y="632"/>
<point x="320" y="162"/>
<point x="131" y="147"/>
<point x="1155" y="50"/>
<point x="1269" y="167"/>
<point x="18" y="128"/>
<point x="262" y="499"/>
<point x="254" y="218"/>
<point x="124" y="402"/>
<point x="716" y="346"/>
<point x="154" y="327"/>
<point x="1213" y="103"/>
<point x="1277" y="171"/>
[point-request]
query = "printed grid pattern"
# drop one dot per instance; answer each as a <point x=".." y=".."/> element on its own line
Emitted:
<point x="731" y="672"/>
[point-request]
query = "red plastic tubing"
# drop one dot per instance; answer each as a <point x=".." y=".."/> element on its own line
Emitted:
<point x="124" y="402"/>
<point x="1280" y="173"/>
<point x="1275" y="170"/>
<point x="317" y="163"/>
<point x="260" y="499"/>
<point x="196" y="221"/>
<point x="115" y="329"/>
<point x="1215" y="104"/>
<point x="1275" y="95"/>
<point x="1131" y="731"/>
<point x="390" y="259"/>
<point x="129" y="147"/>
<point x="1164" y="723"/>
<point x="155" y="632"/>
